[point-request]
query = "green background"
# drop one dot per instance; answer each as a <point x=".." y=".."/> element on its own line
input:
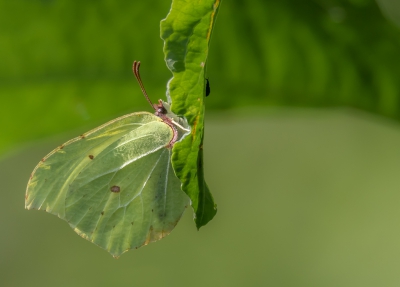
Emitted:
<point x="306" y="197"/>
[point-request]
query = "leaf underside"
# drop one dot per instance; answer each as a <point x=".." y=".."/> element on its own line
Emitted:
<point x="186" y="33"/>
<point x="114" y="185"/>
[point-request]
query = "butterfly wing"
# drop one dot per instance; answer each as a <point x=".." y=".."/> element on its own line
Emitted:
<point x="114" y="185"/>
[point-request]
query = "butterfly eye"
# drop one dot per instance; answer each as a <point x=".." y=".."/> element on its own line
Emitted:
<point x="159" y="108"/>
<point x="162" y="110"/>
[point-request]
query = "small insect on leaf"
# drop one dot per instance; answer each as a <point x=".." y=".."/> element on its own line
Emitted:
<point x="207" y="87"/>
<point x="128" y="179"/>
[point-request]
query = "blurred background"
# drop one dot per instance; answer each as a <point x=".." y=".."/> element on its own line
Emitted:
<point x="302" y="143"/>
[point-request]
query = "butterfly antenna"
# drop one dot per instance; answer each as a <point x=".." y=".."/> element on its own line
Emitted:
<point x="135" y="69"/>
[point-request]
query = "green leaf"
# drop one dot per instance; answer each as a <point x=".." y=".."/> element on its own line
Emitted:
<point x="114" y="185"/>
<point x="186" y="33"/>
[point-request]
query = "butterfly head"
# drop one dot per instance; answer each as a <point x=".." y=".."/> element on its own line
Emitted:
<point x="159" y="108"/>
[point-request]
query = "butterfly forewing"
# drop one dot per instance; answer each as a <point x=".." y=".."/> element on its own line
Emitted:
<point x="114" y="185"/>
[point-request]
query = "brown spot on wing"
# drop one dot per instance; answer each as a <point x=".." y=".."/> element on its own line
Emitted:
<point x="115" y="189"/>
<point x="91" y="156"/>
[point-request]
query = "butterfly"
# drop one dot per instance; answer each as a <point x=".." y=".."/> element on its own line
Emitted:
<point x="115" y="185"/>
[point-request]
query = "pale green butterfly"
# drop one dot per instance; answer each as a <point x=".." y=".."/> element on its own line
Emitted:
<point x="115" y="185"/>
